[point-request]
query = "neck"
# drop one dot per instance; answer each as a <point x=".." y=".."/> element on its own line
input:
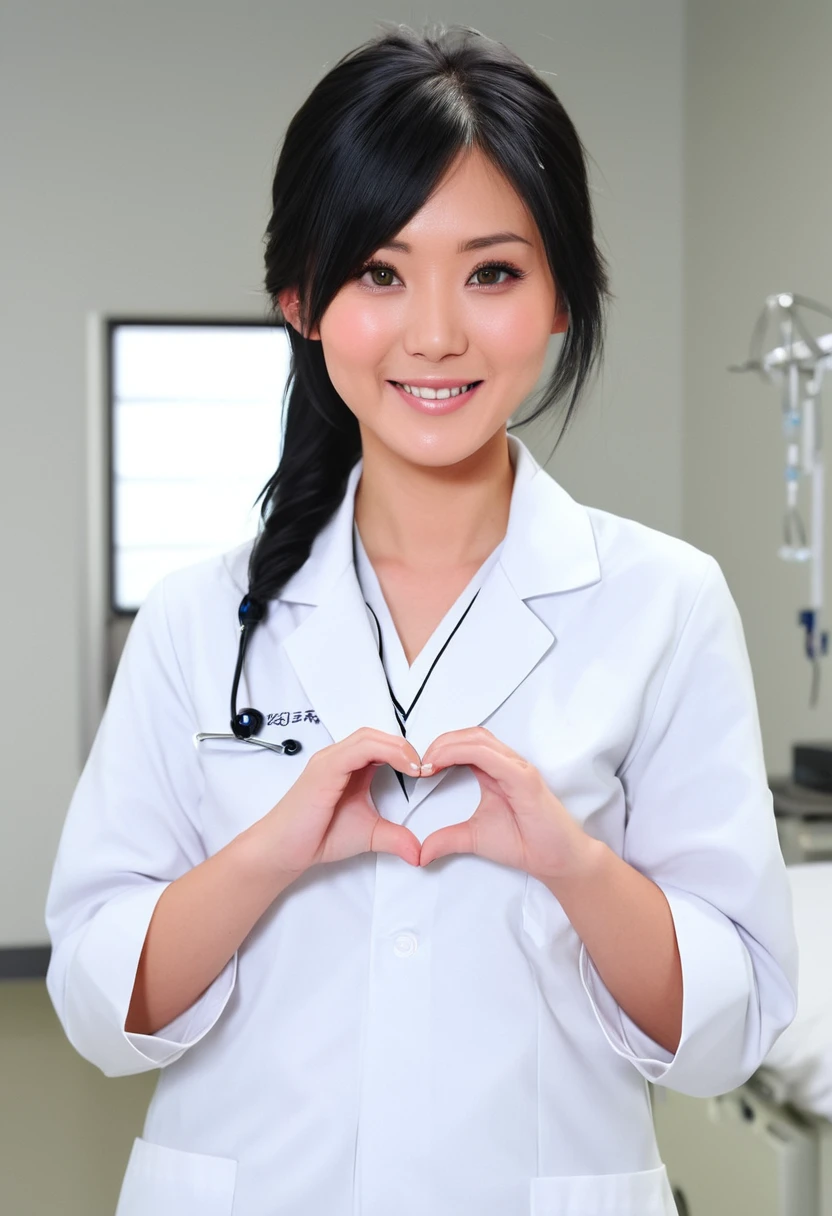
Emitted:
<point x="433" y="518"/>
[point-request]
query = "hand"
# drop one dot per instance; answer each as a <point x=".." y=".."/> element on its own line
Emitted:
<point x="328" y="814"/>
<point x="519" y="822"/>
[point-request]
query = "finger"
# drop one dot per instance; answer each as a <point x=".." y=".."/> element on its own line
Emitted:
<point x="504" y="766"/>
<point x="398" y="743"/>
<point x="457" y="838"/>
<point x="368" y="746"/>
<point x="468" y="735"/>
<point x="394" y="838"/>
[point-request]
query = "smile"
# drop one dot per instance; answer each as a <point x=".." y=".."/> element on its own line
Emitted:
<point x="434" y="394"/>
<point x="436" y="400"/>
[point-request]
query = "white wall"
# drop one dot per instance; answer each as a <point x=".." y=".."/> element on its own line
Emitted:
<point x="758" y="209"/>
<point x="138" y="144"/>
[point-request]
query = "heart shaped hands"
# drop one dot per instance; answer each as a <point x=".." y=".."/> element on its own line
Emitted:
<point x="328" y="814"/>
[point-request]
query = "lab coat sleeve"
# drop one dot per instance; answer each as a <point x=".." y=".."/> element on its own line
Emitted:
<point x="700" y="824"/>
<point x="132" y="827"/>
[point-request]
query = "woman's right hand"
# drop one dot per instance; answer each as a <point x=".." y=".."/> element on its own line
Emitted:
<point x="328" y="814"/>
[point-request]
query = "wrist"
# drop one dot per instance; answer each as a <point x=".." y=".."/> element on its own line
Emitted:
<point x="260" y="861"/>
<point x="583" y="863"/>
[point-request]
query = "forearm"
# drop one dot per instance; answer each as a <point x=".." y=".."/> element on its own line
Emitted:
<point x="200" y="920"/>
<point x="625" y="923"/>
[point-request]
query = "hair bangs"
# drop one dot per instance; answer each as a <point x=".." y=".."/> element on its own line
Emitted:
<point x="377" y="175"/>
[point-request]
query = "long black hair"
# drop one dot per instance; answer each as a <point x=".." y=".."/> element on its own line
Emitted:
<point x="359" y="159"/>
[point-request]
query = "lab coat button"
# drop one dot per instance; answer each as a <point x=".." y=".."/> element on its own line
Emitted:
<point x="405" y="944"/>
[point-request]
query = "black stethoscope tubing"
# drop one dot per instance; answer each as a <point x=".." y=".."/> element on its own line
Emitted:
<point x="246" y="723"/>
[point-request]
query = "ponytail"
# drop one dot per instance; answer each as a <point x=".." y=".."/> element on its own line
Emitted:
<point x="321" y="445"/>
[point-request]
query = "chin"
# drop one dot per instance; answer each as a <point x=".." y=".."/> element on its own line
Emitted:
<point x="435" y="450"/>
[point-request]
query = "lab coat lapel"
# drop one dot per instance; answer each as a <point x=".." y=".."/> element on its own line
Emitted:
<point x="335" y="657"/>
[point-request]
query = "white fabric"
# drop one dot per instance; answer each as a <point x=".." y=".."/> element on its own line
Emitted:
<point x="392" y="1038"/>
<point x="802" y="1056"/>
<point x="406" y="679"/>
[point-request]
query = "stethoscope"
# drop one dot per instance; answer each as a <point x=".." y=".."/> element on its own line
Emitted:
<point x="247" y="723"/>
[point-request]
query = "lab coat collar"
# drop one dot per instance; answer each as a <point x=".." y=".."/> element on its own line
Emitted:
<point x="549" y="547"/>
<point x="549" y="544"/>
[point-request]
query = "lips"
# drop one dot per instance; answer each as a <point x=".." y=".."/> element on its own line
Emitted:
<point x="432" y="405"/>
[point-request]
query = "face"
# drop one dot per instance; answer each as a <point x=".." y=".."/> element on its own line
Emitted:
<point x="427" y="312"/>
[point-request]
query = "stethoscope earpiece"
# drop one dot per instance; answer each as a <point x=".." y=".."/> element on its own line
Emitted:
<point x="250" y="611"/>
<point x="289" y="747"/>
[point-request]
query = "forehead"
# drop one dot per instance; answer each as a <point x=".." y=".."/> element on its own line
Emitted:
<point x="473" y="199"/>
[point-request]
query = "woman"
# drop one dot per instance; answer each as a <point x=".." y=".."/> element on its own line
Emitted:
<point x="523" y="860"/>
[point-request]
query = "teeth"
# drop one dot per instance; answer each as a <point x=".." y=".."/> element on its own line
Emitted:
<point x="432" y="394"/>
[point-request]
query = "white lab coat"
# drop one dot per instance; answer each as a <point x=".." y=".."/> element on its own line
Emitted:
<point x="431" y="1042"/>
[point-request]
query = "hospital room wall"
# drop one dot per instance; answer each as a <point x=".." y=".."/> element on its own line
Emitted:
<point x="758" y="202"/>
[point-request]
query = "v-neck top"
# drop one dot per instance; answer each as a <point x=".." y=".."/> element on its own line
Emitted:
<point x="406" y="679"/>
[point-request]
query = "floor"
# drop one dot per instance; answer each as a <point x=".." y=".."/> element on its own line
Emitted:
<point x="65" y="1129"/>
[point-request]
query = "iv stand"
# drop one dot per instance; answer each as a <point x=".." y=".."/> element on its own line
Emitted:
<point x="798" y="366"/>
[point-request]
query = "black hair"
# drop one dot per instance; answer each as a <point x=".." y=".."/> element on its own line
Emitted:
<point x="360" y="157"/>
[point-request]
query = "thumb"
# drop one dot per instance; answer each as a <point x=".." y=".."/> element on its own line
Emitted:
<point x="394" y="838"/>
<point x="454" y="839"/>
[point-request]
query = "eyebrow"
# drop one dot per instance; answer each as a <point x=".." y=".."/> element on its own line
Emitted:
<point x="477" y="242"/>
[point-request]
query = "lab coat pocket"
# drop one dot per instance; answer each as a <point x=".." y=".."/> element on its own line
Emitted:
<point x="643" y="1194"/>
<point x="162" y="1181"/>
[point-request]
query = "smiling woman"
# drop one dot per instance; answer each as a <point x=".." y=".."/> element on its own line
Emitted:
<point x="520" y="858"/>
<point x="411" y="159"/>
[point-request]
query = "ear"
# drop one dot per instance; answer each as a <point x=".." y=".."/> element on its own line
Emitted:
<point x="289" y="301"/>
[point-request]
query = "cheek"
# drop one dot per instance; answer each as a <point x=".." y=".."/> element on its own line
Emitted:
<point x="354" y="339"/>
<point x="516" y="337"/>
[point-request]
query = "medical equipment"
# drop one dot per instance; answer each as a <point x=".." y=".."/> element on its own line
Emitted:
<point x="248" y="722"/>
<point x="798" y="365"/>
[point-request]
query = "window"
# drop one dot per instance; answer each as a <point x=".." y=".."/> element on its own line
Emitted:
<point x="195" y="428"/>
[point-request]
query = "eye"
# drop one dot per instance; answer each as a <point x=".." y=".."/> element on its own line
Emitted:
<point x="387" y="272"/>
<point x="514" y="272"/>
<point x="379" y="268"/>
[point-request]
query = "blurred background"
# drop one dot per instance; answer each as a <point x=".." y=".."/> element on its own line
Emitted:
<point x="137" y="145"/>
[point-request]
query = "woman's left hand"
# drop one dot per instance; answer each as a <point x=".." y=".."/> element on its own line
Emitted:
<point x="519" y="822"/>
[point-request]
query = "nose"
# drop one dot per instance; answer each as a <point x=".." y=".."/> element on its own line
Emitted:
<point x="434" y="323"/>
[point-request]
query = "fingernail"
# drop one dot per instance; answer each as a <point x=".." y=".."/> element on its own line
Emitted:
<point x="427" y="769"/>
<point x="414" y="767"/>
